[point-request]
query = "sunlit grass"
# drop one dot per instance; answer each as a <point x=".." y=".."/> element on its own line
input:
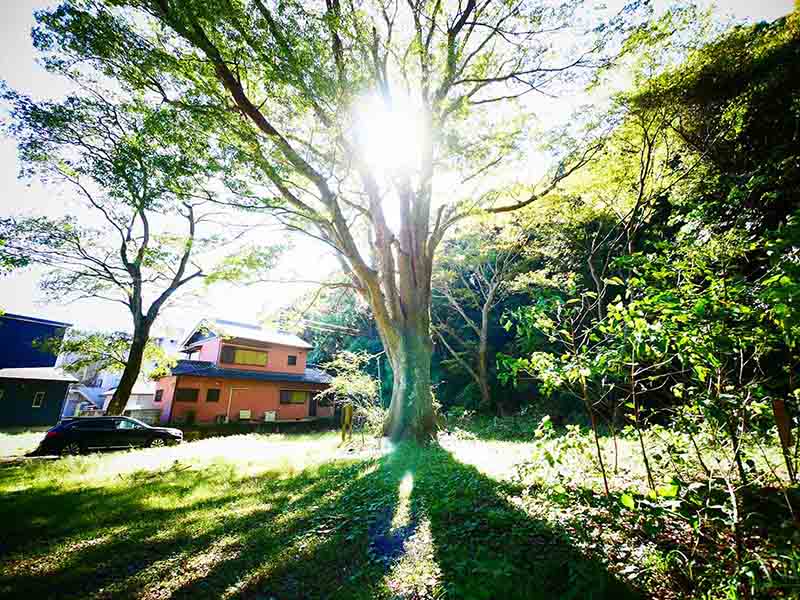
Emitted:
<point x="247" y="455"/>
<point x="574" y="458"/>
<point x="402" y="513"/>
<point x="495" y="459"/>
<point x="19" y="441"/>
<point x="299" y="517"/>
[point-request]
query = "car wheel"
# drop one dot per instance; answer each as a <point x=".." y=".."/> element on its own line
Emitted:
<point x="72" y="449"/>
<point x="157" y="443"/>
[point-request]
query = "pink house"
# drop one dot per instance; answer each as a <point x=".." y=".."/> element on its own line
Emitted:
<point x="238" y="372"/>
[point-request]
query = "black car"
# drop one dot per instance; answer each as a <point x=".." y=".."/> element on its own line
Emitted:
<point x="79" y="434"/>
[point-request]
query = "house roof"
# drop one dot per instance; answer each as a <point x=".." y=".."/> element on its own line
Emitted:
<point x="34" y="320"/>
<point x="40" y="373"/>
<point x="202" y="368"/>
<point x="141" y="388"/>
<point x="91" y="395"/>
<point x="245" y="331"/>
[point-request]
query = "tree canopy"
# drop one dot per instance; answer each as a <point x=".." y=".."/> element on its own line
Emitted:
<point x="287" y="91"/>
<point x="155" y="224"/>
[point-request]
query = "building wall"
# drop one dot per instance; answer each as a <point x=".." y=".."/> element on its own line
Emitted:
<point x="141" y="401"/>
<point x="149" y="416"/>
<point x="167" y="387"/>
<point x="75" y="400"/>
<point x="277" y="357"/>
<point x="17" y="340"/>
<point x="16" y="404"/>
<point x="239" y="394"/>
<point x="135" y="402"/>
<point x="210" y="350"/>
<point x="70" y="406"/>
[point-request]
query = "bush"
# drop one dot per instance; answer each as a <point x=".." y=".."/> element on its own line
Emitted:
<point x="196" y="432"/>
<point x="352" y="385"/>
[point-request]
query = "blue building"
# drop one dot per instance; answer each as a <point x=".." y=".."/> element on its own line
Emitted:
<point x="32" y="391"/>
<point x="32" y="396"/>
<point x="21" y="340"/>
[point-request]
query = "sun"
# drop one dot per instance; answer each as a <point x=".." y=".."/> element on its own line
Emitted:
<point x="389" y="134"/>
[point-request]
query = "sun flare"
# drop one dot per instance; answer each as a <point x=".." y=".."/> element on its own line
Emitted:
<point x="390" y="135"/>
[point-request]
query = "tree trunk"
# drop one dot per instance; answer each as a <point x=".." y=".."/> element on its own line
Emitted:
<point x="593" y="420"/>
<point x="132" y="369"/>
<point x="411" y="412"/>
<point x="483" y="350"/>
<point x="784" y="424"/>
<point x="736" y="446"/>
<point x="640" y="434"/>
<point x="486" y="394"/>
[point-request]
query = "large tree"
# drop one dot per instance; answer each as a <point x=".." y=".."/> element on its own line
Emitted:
<point x="149" y="212"/>
<point x="294" y="87"/>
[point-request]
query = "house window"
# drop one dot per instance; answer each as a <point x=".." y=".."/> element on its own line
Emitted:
<point x="159" y="395"/>
<point x="293" y="397"/>
<point x="240" y="356"/>
<point x="292" y="360"/>
<point x="212" y="395"/>
<point x="186" y="394"/>
<point x="38" y="400"/>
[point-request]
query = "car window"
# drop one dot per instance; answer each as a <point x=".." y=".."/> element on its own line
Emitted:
<point x="139" y="424"/>
<point x="92" y="424"/>
<point x="126" y="424"/>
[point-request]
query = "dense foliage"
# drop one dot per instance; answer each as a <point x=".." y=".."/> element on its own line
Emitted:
<point x="656" y="302"/>
<point x="686" y="312"/>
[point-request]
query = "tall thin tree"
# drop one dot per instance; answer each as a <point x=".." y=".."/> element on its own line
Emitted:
<point x="144" y="181"/>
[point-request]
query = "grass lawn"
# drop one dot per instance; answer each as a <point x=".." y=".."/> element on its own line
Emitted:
<point x="270" y="516"/>
<point x="489" y="513"/>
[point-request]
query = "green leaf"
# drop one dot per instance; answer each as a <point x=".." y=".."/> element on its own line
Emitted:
<point x="628" y="501"/>
<point x="667" y="491"/>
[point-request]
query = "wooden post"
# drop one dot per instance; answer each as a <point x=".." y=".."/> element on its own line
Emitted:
<point x="347" y="422"/>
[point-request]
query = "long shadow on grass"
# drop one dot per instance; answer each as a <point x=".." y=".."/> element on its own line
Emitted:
<point x="120" y="539"/>
<point x="483" y="546"/>
<point x="327" y="533"/>
<point x="324" y="551"/>
<point x="487" y="546"/>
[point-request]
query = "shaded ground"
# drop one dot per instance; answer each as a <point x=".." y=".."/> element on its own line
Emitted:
<point x="268" y="517"/>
